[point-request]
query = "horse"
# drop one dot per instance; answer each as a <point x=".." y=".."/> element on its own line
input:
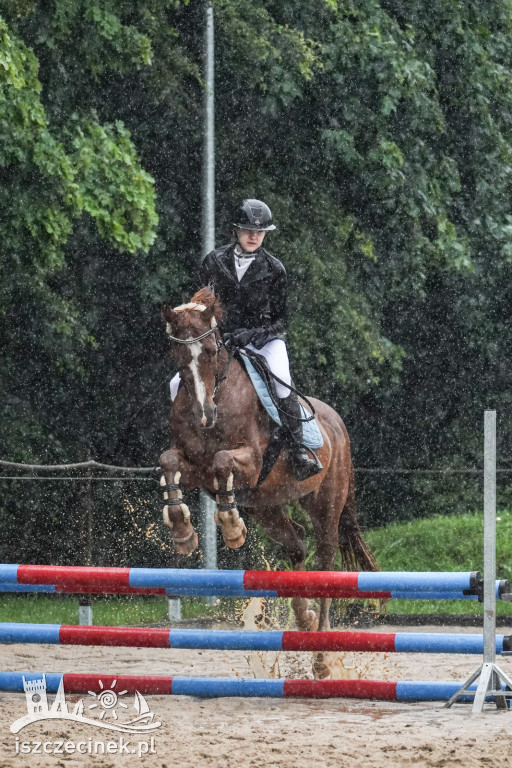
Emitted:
<point x="219" y="432"/>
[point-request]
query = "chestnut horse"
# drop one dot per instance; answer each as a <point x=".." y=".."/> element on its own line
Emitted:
<point x="219" y="434"/>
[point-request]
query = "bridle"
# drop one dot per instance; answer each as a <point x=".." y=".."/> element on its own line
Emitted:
<point x="220" y="344"/>
<point x="197" y="338"/>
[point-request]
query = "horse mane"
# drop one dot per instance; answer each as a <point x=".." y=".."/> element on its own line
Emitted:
<point x="206" y="298"/>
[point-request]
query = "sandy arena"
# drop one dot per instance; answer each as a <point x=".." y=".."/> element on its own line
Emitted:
<point x="235" y="733"/>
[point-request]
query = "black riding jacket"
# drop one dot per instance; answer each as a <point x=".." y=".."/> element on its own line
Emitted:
<point x="257" y="302"/>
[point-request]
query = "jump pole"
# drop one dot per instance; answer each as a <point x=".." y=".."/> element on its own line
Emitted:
<point x="488" y="674"/>
<point x="244" y="640"/>
<point x="502" y="592"/>
<point x="381" y="690"/>
<point x="380" y="584"/>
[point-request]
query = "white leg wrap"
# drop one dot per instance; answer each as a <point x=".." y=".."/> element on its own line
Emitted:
<point x="185" y="511"/>
<point x="232" y="525"/>
<point x="167" y="519"/>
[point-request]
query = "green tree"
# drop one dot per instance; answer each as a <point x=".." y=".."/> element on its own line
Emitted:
<point x="380" y="134"/>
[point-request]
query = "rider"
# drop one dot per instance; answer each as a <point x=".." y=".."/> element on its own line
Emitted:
<point x="251" y="284"/>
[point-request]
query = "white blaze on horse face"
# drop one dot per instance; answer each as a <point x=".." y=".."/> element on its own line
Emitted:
<point x="195" y="351"/>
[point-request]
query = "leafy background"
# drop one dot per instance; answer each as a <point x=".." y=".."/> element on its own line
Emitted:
<point x="379" y="133"/>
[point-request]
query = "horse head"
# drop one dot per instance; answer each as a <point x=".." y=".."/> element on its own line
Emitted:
<point x="195" y="343"/>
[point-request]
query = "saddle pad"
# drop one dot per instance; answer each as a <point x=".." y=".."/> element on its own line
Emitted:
<point x="311" y="435"/>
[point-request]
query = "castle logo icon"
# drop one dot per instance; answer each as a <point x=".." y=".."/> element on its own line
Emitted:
<point x="108" y="703"/>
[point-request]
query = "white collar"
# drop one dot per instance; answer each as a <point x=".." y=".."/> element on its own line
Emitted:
<point x="242" y="255"/>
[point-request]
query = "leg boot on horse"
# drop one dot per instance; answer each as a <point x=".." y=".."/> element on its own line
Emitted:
<point x="226" y="514"/>
<point x="176" y="514"/>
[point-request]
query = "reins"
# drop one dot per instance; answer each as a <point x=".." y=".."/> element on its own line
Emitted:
<point x="263" y="371"/>
<point x="256" y="361"/>
<point x="220" y="379"/>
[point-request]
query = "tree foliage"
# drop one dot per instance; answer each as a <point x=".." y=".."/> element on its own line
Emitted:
<point x="380" y="134"/>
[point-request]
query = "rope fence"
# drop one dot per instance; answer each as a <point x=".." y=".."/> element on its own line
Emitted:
<point x="77" y="465"/>
<point x="152" y="472"/>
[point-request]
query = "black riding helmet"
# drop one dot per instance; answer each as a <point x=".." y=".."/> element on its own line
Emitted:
<point x="255" y="215"/>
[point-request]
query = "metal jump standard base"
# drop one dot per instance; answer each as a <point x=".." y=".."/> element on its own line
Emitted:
<point x="488" y="674"/>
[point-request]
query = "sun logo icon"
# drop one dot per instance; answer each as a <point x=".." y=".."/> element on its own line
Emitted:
<point x="108" y="699"/>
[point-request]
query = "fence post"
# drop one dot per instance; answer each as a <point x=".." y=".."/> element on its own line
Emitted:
<point x="85" y="617"/>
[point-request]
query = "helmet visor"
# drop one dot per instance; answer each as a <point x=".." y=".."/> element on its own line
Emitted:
<point x="255" y="228"/>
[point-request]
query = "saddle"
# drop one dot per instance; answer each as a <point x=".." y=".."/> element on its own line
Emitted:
<point x="265" y="389"/>
<point x="263" y="383"/>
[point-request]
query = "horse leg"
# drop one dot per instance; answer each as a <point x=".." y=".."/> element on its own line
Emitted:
<point x="176" y="513"/>
<point x="326" y="508"/>
<point x="227" y="464"/>
<point x="326" y="535"/>
<point x="281" y="529"/>
<point x="324" y="515"/>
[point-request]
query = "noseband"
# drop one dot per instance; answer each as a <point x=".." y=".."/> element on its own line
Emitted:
<point x="197" y="338"/>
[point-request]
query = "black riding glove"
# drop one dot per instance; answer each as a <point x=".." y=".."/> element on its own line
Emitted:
<point x="239" y="338"/>
<point x="260" y="337"/>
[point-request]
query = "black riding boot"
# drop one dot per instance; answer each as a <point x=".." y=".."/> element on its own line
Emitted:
<point x="303" y="466"/>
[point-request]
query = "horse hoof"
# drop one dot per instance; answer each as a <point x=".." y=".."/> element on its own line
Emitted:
<point x="307" y="621"/>
<point x="311" y="622"/>
<point x="239" y="540"/>
<point x="188" y="545"/>
<point x="321" y="669"/>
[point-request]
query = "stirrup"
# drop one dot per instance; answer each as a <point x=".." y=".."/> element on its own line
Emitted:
<point x="304" y="468"/>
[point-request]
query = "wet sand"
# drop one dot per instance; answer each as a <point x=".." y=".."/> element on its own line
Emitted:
<point x="269" y="732"/>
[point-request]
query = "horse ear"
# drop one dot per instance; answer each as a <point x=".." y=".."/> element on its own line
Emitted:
<point x="168" y="314"/>
<point x="213" y="311"/>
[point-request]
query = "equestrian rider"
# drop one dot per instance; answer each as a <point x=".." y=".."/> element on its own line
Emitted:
<point x="251" y="284"/>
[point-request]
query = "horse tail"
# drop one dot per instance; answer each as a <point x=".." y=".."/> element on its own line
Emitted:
<point x="355" y="552"/>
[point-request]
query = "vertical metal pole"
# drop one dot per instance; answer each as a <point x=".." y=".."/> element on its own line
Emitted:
<point x="489" y="536"/>
<point x="85" y="617"/>
<point x="174" y="610"/>
<point x="208" y="529"/>
<point x="209" y="138"/>
<point x="489" y="680"/>
<point x="488" y="674"/>
<point x="84" y="612"/>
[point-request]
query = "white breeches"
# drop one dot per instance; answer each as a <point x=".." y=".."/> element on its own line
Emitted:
<point x="276" y="355"/>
